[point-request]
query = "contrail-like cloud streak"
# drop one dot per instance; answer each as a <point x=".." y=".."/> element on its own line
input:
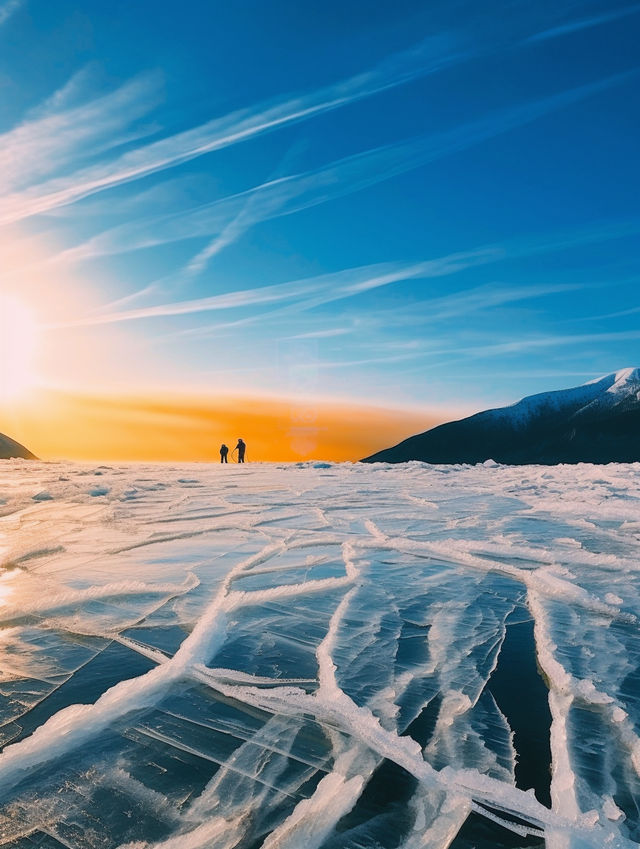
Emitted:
<point x="430" y="56"/>
<point x="584" y="23"/>
<point x="227" y="219"/>
<point x="321" y="289"/>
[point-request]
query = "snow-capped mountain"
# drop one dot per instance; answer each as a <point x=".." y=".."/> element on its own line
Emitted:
<point x="598" y="422"/>
<point x="10" y="448"/>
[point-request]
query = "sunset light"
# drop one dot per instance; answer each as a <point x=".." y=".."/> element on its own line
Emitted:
<point x="18" y="340"/>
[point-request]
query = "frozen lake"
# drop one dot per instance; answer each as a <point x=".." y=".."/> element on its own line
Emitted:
<point x="331" y="656"/>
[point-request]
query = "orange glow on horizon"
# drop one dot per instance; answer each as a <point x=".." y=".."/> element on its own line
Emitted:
<point x="83" y="427"/>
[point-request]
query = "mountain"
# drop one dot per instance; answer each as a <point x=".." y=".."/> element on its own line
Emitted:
<point x="10" y="448"/>
<point x="598" y="422"/>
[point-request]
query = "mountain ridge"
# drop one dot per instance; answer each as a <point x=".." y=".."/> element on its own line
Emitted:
<point x="10" y="449"/>
<point x="597" y="422"/>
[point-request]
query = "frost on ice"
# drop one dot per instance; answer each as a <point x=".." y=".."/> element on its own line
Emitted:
<point x="319" y="656"/>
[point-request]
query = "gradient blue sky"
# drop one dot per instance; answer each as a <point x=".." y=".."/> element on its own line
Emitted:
<point x="421" y="203"/>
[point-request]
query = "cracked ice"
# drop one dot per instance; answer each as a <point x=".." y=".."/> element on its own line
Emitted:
<point x="300" y="656"/>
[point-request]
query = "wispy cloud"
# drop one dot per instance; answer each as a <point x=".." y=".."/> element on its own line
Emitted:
<point x="537" y="343"/>
<point x="227" y="219"/>
<point x="321" y="296"/>
<point x="127" y="300"/>
<point x="584" y="23"/>
<point x="540" y="374"/>
<point x="292" y="298"/>
<point x="343" y="282"/>
<point x="327" y="333"/>
<point x="7" y="9"/>
<point x="442" y="315"/>
<point x="386" y="360"/>
<point x="601" y="232"/>
<point x="429" y="56"/>
<point x="488" y="297"/>
<point x="260" y="204"/>
<point x="617" y="314"/>
<point x="303" y="293"/>
<point x="230" y="217"/>
<point x="426" y="312"/>
<point x="60" y="132"/>
<point x="50" y="141"/>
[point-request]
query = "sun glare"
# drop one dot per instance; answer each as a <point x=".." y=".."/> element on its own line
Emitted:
<point x="18" y="334"/>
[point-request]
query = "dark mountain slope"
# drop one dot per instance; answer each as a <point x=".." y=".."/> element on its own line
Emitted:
<point x="10" y="448"/>
<point x="598" y="422"/>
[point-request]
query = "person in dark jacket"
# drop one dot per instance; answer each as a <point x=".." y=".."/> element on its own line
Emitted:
<point x="223" y="453"/>
<point x="240" y="448"/>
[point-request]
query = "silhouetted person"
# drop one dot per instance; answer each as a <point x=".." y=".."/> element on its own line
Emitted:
<point x="240" y="448"/>
<point x="223" y="453"/>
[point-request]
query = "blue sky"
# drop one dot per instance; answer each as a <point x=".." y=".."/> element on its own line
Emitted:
<point x="421" y="203"/>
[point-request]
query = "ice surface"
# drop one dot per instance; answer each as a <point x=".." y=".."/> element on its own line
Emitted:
<point x="319" y="655"/>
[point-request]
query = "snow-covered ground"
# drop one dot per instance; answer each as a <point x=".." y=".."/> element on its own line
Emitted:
<point x="319" y="655"/>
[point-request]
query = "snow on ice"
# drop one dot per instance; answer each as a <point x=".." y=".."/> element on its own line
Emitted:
<point x="319" y="655"/>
